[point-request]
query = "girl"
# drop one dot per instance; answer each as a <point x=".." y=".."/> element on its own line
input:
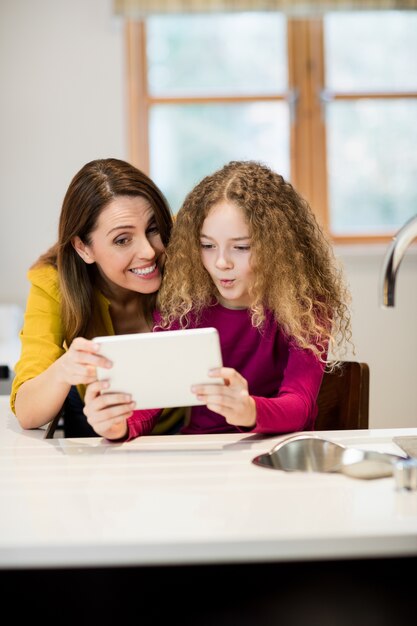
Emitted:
<point x="247" y="257"/>
<point x="100" y="278"/>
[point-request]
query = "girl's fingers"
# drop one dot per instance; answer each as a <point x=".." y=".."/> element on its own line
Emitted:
<point x="229" y="374"/>
<point x="218" y="408"/>
<point x="227" y="402"/>
<point x="110" y="414"/>
<point x="106" y="401"/>
<point x="94" y="388"/>
<point x="221" y="390"/>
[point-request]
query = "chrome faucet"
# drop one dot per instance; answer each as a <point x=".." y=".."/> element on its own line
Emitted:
<point x="393" y="258"/>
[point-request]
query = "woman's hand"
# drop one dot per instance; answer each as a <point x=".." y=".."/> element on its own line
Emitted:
<point x="107" y="413"/>
<point x="232" y="400"/>
<point x="78" y="365"/>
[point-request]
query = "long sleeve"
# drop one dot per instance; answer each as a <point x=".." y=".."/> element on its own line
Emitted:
<point x="142" y="422"/>
<point x="294" y="408"/>
<point x="41" y="336"/>
<point x="283" y="379"/>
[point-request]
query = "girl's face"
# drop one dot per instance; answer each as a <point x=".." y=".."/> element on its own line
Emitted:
<point x="226" y="253"/>
<point x="126" y="246"/>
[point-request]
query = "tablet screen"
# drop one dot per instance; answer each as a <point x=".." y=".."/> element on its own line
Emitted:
<point x="158" y="369"/>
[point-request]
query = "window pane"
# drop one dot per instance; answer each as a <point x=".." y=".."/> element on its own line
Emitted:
<point x="190" y="141"/>
<point x="240" y="53"/>
<point x="371" y="51"/>
<point x="372" y="164"/>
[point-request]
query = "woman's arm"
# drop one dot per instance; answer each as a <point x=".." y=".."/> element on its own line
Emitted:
<point x="39" y="399"/>
<point x="45" y="370"/>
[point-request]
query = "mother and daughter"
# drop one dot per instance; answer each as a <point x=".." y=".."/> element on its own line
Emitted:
<point x="246" y="256"/>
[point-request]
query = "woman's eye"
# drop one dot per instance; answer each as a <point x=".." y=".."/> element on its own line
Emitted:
<point x="242" y="248"/>
<point x="206" y="246"/>
<point x="121" y="241"/>
<point x="153" y="230"/>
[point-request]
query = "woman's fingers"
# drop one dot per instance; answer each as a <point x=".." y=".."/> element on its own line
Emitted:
<point x="87" y="352"/>
<point x="78" y="365"/>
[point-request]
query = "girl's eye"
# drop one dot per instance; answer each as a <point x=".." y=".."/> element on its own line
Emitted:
<point x="206" y="246"/>
<point x="242" y="248"/>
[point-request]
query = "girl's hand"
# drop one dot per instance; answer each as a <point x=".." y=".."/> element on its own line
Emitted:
<point x="107" y="413"/>
<point x="78" y="365"/>
<point x="231" y="400"/>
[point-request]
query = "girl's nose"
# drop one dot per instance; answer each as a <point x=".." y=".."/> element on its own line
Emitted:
<point x="223" y="261"/>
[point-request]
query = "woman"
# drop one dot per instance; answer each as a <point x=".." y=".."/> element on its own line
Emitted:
<point x="100" y="278"/>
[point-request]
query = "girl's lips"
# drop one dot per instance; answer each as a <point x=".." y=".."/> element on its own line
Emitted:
<point x="227" y="283"/>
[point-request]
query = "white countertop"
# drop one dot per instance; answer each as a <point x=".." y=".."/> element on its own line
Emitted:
<point x="188" y="499"/>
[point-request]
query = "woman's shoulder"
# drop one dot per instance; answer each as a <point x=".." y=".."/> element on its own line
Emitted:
<point x="44" y="277"/>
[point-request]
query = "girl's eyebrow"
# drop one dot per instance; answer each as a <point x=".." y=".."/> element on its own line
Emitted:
<point x="231" y="239"/>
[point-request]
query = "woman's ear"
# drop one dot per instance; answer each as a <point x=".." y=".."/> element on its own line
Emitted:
<point x="83" y="250"/>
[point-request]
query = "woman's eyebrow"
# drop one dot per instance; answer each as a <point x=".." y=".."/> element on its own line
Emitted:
<point x="151" y="219"/>
<point x="124" y="226"/>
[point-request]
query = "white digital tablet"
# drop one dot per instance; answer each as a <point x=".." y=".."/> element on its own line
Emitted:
<point x="158" y="369"/>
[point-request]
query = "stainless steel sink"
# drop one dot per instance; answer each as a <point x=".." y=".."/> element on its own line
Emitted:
<point x="310" y="453"/>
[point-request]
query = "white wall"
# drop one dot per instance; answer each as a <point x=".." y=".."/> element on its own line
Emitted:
<point x="62" y="104"/>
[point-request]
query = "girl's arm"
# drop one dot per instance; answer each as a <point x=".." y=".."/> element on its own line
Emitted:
<point x="293" y="409"/>
<point x="295" y="406"/>
<point x="112" y="415"/>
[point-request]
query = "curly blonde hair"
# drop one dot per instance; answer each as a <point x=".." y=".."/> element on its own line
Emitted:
<point x="295" y="272"/>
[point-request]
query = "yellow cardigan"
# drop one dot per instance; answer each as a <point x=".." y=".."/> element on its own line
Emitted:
<point x="42" y="337"/>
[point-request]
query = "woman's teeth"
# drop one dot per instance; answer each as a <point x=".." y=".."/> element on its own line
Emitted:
<point x="145" y="271"/>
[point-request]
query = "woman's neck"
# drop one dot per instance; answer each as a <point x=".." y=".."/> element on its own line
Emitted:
<point x="129" y="316"/>
<point x="128" y="309"/>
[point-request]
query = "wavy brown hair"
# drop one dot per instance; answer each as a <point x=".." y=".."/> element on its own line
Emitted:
<point x="90" y="191"/>
<point x="295" y="272"/>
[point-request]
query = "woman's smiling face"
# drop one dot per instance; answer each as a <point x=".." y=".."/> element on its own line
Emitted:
<point x="126" y="246"/>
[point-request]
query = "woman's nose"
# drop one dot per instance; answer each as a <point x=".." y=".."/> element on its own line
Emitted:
<point x="144" y="250"/>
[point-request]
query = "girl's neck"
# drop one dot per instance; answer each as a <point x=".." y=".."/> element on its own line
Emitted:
<point x="229" y="305"/>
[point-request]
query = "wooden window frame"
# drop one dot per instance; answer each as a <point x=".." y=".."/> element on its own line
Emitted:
<point x="307" y="96"/>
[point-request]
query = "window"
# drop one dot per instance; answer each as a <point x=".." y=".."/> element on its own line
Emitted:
<point x="330" y="103"/>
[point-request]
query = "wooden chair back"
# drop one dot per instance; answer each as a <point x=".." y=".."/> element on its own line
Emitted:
<point x="343" y="400"/>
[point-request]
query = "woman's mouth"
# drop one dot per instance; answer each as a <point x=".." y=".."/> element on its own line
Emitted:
<point x="145" y="272"/>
